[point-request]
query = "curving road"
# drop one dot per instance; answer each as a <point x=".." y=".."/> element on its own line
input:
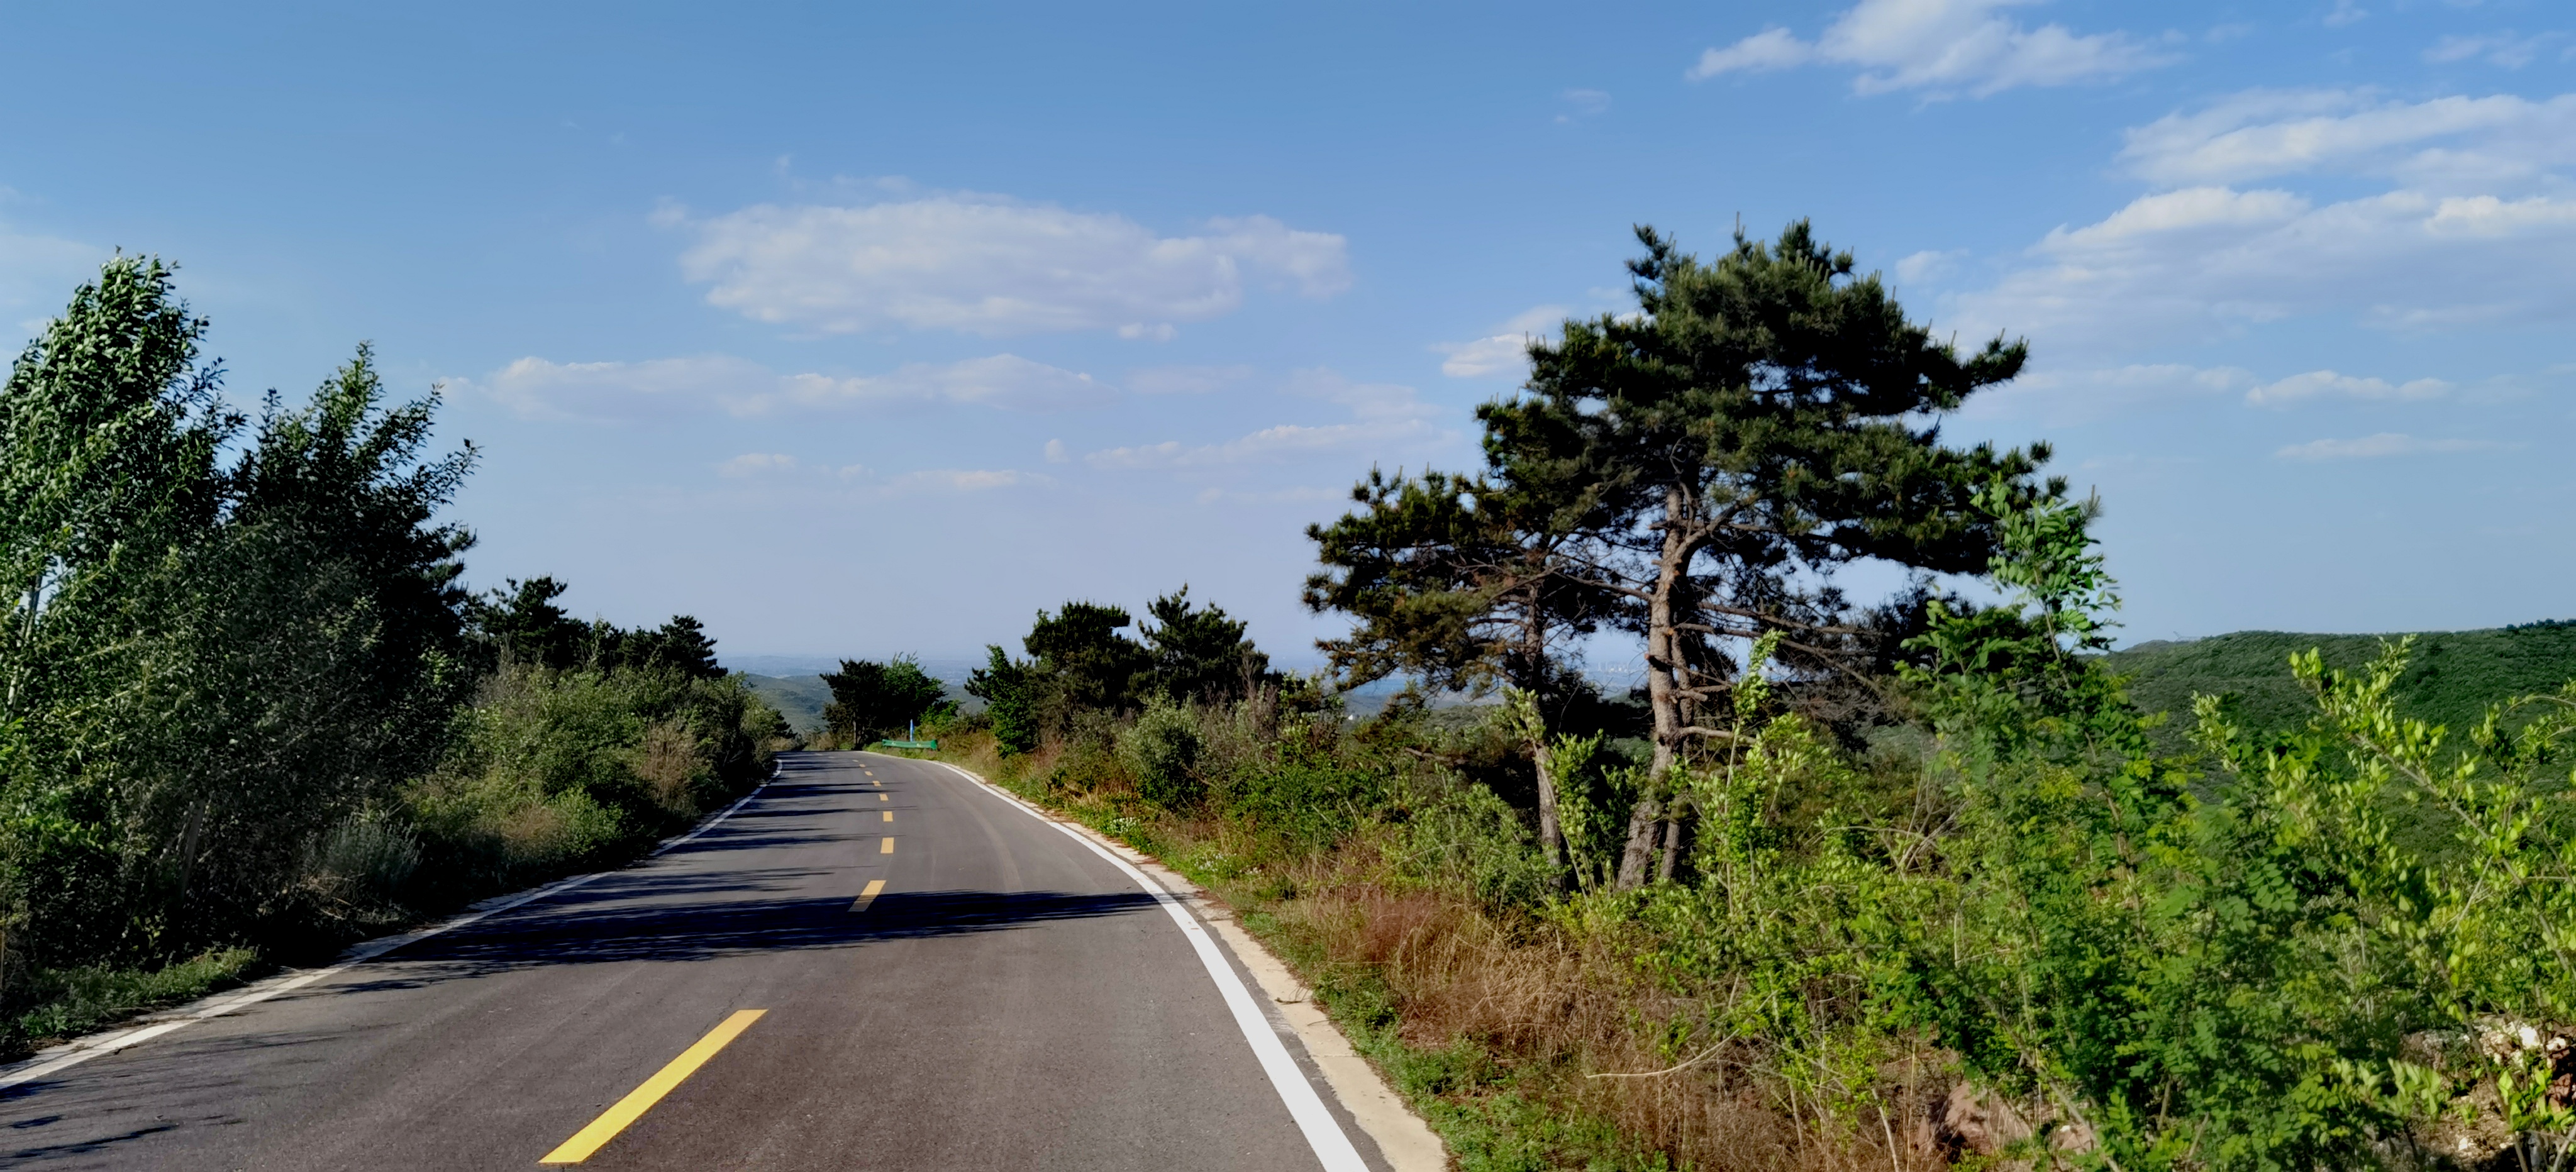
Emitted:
<point x="1009" y="998"/>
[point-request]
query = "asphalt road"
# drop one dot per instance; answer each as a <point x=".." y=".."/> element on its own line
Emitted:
<point x="1008" y="1000"/>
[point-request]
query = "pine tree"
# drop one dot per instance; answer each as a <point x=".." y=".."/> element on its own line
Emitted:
<point x="1760" y="422"/>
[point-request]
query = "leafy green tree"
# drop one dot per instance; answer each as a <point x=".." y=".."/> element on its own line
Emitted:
<point x="314" y="662"/>
<point x="1009" y="689"/>
<point x="1756" y="425"/>
<point x="1460" y="582"/>
<point x="872" y="699"/>
<point x="1083" y="661"/>
<point x="109" y="429"/>
<point x="1200" y="654"/>
<point x="679" y="645"/>
<point x="521" y="624"/>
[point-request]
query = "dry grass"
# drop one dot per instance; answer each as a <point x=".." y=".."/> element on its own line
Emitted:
<point x="1547" y="1007"/>
<point x="1566" y="1011"/>
<point x="1560" y="1011"/>
<point x="668" y="762"/>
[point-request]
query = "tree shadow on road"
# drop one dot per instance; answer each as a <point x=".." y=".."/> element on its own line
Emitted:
<point x="614" y="931"/>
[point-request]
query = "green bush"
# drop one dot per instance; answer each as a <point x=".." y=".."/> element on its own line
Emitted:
<point x="1467" y="836"/>
<point x="552" y="771"/>
<point x="1161" y="751"/>
<point x="1309" y="798"/>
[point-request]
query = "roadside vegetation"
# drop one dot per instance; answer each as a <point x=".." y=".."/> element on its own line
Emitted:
<point x="873" y="701"/>
<point x="1905" y="883"/>
<point x="247" y="712"/>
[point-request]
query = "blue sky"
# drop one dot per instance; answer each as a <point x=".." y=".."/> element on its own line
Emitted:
<point x="860" y="330"/>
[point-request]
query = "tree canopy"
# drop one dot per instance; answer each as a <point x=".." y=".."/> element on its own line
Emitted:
<point x="1695" y="472"/>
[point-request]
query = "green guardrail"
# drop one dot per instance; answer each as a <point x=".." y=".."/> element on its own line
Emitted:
<point x="907" y="744"/>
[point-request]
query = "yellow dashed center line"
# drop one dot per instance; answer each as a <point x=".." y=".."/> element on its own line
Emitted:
<point x="640" y="1100"/>
<point x="889" y="815"/>
<point x="868" y="896"/>
<point x="886" y="847"/>
<point x="885" y="797"/>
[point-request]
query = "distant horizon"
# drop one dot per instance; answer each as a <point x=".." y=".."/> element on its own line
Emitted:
<point x="937" y="663"/>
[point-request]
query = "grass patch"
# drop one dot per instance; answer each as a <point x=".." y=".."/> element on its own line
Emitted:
<point x="64" y="1003"/>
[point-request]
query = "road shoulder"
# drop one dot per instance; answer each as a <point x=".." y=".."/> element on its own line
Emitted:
<point x="1403" y="1140"/>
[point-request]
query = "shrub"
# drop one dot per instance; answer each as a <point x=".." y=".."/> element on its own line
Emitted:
<point x="550" y="771"/>
<point x="1161" y="751"/>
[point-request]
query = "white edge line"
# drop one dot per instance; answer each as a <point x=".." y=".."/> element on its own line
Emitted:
<point x="1323" y="1132"/>
<point x="40" y="1066"/>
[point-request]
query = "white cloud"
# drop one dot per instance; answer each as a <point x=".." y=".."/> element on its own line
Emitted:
<point x="1500" y="354"/>
<point x="1505" y="352"/>
<point x="2058" y="397"/>
<point x="2507" y="49"/>
<point x="2386" y="443"/>
<point x="539" y="388"/>
<point x="1940" y="47"/>
<point x="1184" y="380"/>
<point x="1926" y="266"/>
<point x="2446" y="144"/>
<point x="2478" y="227"/>
<point x="2208" y="261"/>
<point x="1375" y="402"/>
<point x="1269" y="444"/>
<point x="1300" y="495"/>
<point x="2152" y="220"/>
<point x="1383" y="416"/>
<point x="1055" y="453"/>
<point x="756" y="463"/>
<point x="1586" y="104"/>
<point x="991" y="266"/>
<point x="2346" y="12"/>
<point x="2322" y="384"/>
<point x="966" y="480"/>
<point x="1772" y="48"/>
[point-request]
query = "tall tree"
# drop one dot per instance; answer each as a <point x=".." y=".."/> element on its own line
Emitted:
<point x="109" y="429"/>
<point x="1758" y="423"/>
<point x="1459" y="581"/>
<point x="871" y="698"/>
<point x="1009" y="689"/>
<point x="1462" y="582"/>
<point x="521" y="624"/>
<point x="1084" y="660"/>
<point x="315" y="659"/>
<point x="679" y="645"/>
<point x="108" y="432"/>
<point x="1199" y="653"/>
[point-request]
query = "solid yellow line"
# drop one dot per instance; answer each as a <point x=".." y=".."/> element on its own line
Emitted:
<point x="887" y="847"/>
<point x="889" y="815"/>
<point x="640" y="1100"/>
<point x="868" y="896"/>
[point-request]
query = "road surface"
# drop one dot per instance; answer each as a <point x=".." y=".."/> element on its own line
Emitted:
<point x="1006" y="999"/>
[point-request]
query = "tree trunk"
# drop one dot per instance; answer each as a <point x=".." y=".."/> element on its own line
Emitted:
<point x="1663" y="695"/>
<point x="1643" y="823"/>
<point x="1672" y="845"/>
<point x="1551" y="834"/>
<point x="188" y="846"/>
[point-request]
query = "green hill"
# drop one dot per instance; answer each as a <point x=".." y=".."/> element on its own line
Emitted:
<point x="2450" y="680"/>
<point x="798" y="698"/>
